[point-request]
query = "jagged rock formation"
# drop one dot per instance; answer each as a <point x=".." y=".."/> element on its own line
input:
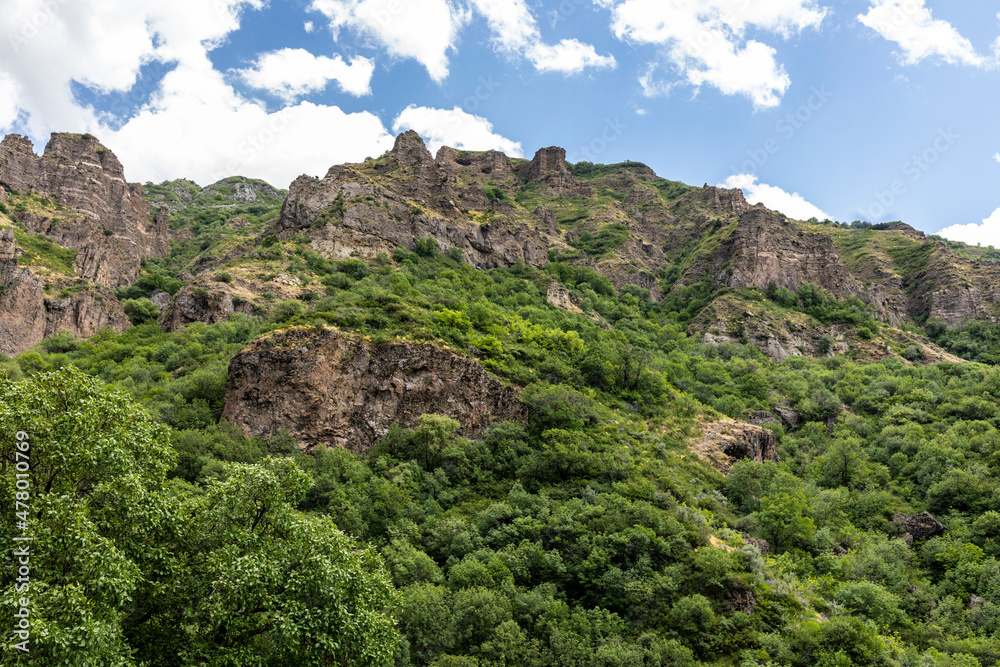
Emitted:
<point x="112" y="227"/>
<point x="326" y="387"/>
<point x="349" y="214"/>
<point x="27" y="316"/>
<point x="725" y="441"/>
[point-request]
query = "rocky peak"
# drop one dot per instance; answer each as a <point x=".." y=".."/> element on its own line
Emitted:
<point x="547" y="161"/>
<point x="725" y="200"/>
<point x="409" y="149"/>
<point x="115" y="228"/>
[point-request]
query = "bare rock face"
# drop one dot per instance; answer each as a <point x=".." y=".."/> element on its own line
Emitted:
<point x="326" y="387"/>
<point x="85" y="313"/>
<point x="725" y="200"/>
<point x="115" y="227"/>
<point x="27" y="317"/>
<point x="22" y="304"/>
<point x="197" y="303"/>
<point x="547" y="162"/>
<point x="767" y="247"/>
<point x="348" y="214"/>
<point x="409" y="149"/>
<point x="559" y="296"/>
<point x="726" y="441"/>
<point x="919" y="526"/>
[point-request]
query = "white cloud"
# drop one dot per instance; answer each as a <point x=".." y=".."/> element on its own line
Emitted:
<point x="987" y="233"/>
<point x="425" y="30"/>
<point x="793" y="205"/>
<point x="192" y="123"/>
<point x="308" y="26"/>
<point x="704" y="40"/>
<point x="996" y="156"/>
<point x="516" y="32"/>
<point x="101" y="44"/>
<point x="454" y="128"/>
<point x="909" y="24"/>
<point x="568" y="56"/>
<point x="200" y="128"/>
<point x="292" y="73"/>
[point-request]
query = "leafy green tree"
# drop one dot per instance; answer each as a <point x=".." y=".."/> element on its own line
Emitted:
<point x="126" y="570"/>
<point x="785" y="521"/>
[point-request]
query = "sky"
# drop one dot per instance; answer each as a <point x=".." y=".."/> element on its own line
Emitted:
<point x="875" y="110"/>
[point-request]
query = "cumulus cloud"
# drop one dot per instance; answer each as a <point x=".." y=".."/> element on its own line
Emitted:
<point x="424" y="30"/>
<point x="455" y="128"/>
<point x="191" y="123"/>
<point x="516" y="32"/>
<point x="705" y="41"/>
<point x="199" y="127"/>
<point x="793" y="205"/>
<point x="996" y="156"/>
<point x="293" y="73"/>
<point x="987" y="233"/>
<point x="910" y="25"/>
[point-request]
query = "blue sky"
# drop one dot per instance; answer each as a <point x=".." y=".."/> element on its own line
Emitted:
<point x="871" y="109"/>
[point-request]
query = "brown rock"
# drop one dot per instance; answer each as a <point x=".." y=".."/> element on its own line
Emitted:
<point x="114" y="229"/>
<point x="789" y="417"/>
<point x="409" y="149"/>
<point x="22" y="303"/>
<point x="547" y="161"/>
<point x="725" y="441"/>
<point x="84" y="313"/>
<point x="725" y="201"/>
<point x="348" y="214"/>
<point x="198" y="303"/>
<point x="326" y="387"/>
<point x="919" y="526"/>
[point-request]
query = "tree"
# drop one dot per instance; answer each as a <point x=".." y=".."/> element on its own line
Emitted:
<point x="126" y="570"/>
<point x="784" y="520"/>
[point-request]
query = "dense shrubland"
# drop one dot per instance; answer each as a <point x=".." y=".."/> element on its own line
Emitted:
<point x="590" y="535"/>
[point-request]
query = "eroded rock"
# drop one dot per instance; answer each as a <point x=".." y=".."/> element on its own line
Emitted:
<point x="327" y="387"/>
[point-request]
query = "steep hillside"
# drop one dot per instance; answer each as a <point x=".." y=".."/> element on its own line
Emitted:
<point x="501" y="412"/>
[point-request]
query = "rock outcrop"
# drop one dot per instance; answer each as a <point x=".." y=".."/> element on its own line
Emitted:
<point x="347" y="213"/>
<point x="326" y="387"/>
<point x="918" y="526"/>
<point x="22" y="303"/>
<point x="110" y="224"/>
<point x="27" y="316"/>
<point x="198" y="303"/>
<point x="726" y="441"/>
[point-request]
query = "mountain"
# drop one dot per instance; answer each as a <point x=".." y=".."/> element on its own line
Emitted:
<point x="465" y="409"/>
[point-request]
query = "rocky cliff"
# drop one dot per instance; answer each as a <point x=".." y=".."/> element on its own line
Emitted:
<point x="107" y="222"/>
<point x="412" y="197"/>
<point x="27" y="316"/>
<point x="726" y="441"/>
<point x="327" y="387"/>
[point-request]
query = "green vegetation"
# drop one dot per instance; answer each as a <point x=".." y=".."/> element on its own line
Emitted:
<point x="590" y="534"/>
<point x="127" y="568"/>
<point x="604" y="242"/>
